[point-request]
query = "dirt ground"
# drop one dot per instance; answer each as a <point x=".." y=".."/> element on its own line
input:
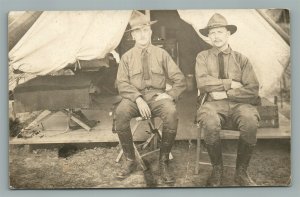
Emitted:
<point x="94" y="166"/>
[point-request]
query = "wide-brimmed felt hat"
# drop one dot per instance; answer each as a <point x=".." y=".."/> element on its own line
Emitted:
<point x="217" y="20"/>
<point x="139" y="20"/>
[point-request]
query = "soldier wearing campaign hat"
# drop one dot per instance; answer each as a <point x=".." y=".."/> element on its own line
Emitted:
<point x="141" y="82"/>
<point x="231" y="86"/>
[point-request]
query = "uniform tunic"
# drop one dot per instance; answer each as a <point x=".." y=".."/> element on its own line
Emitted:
<point x="237" y="107"/>
<point x="131" y="84"/>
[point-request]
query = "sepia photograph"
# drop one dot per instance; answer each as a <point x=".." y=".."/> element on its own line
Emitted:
<point x="149" y="98"/>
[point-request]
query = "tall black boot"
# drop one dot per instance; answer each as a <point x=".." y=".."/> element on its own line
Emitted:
<point x="244" y="153"/>
<point x="129" y="153"/>
<point x="167" y="141"/>
<point x="215" y="155"/>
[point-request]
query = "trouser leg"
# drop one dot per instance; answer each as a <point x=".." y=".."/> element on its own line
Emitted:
<point x="246" y="117"/>
<point x="210" y="118"/>
<point x="166" y="110"/>
<point x="125" y="111"/>
<point x="167" y="142"/>
<point x="126" y="141"/>
<point x="212" y="139"/>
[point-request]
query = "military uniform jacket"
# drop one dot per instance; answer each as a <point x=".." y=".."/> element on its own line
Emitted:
<point x="130" y="80"/>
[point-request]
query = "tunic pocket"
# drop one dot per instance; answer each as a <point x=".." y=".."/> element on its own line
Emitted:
<point x="158" y="77"/>
<point x="136" y="78"/>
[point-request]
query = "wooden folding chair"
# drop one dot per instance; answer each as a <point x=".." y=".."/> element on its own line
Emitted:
<point x="155" y="135"/>
<point x="268" y="113"/>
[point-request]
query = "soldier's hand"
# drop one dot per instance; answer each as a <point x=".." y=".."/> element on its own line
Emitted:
<point x="235" y="84"/>
<point x="143" y="108"/>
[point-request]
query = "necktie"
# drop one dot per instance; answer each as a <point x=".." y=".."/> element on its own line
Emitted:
<point x="221" y="66"/>
<point x="145" y="64"/>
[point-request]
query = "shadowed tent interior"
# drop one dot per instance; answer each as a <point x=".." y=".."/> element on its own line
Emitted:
<point x="35" y="35"/>
<point x="189" y="43"/>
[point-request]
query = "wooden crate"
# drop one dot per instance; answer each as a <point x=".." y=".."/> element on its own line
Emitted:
<point x="268" y="112"/>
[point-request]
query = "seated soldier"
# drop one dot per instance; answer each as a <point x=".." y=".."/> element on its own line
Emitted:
<point x="141" y="82"/>
<point x="228" y="79"/>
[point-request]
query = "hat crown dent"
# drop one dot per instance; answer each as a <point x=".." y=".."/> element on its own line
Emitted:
<point x="217" y="20"/>
<point x="138" y="20"/>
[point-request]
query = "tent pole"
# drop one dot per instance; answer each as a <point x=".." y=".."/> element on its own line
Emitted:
<point x="147" y="13"/>
<point x="277" y="28"/>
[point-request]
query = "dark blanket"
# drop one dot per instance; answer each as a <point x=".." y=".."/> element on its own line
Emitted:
<point x="53" y="93"/>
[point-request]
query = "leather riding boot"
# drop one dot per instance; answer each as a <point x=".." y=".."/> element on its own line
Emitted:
<point x="167" y="141"/>
<point x="244" y="154"/>
<point x="215" y="155"/>
<point x="129" y="167"/>
<point x="129" y="153"/>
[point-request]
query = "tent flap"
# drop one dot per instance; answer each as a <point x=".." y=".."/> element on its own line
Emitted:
<point x="57" y="39"/>
<point x="60" y="38"/>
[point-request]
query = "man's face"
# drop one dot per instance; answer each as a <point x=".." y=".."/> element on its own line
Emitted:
<point x="142" y="36"/>
<point x="219" y="36"/>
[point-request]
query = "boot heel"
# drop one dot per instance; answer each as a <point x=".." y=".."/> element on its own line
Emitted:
<point x="125" y="172"/>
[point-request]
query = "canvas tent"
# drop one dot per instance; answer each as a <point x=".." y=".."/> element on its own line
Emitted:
<point x="57" y="39"/>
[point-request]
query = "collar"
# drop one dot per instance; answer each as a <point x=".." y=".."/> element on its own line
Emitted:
<point x="216" y="51"/>
<point x="140" y="49"/>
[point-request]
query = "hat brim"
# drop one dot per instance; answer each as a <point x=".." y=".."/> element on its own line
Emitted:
<point x="140" y="26"/>
<point x="231" y="28"/>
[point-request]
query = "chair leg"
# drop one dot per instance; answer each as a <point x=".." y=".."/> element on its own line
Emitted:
<point x="137" y="155"/>
<point x="148" y="141"/>
<point x="119" y="156"/>
<point x="153" y="138"/>
<point x="198" y="149"/>
<point x="139" y="158"/>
